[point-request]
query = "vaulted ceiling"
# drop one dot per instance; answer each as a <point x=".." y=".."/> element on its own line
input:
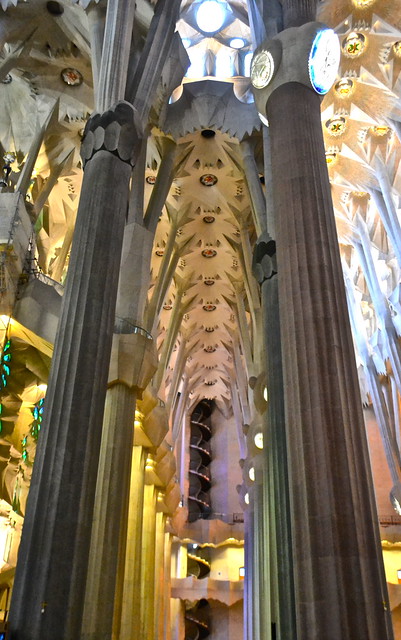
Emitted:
<point x="209" y="323"/>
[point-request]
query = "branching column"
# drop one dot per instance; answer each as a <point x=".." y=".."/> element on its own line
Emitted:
<point x="150" y="428"/>
<point x="333" y="514"/>
<point x="275" y="468"/>
<point x="50" y="578"/>
<point x="133" y="362"/>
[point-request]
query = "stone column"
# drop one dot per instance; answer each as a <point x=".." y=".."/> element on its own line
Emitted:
<point x="254" y="187"/>
<point x="298" y="12"/>
<point x="151" y="427"/>
<point x="145" y="624"/>
<point x="275" y="468"/>
<point x="128" y="595"/>
<point x="165" y="629"/>
<point x="50" y="578"/>
<point x="133" y="362"/>
<point x="111" y="504"/>
<point x="249" y="625"/>
<point x="159" y="570"/>
<point x="338" y="572"/>
<point x="261" y="592"/>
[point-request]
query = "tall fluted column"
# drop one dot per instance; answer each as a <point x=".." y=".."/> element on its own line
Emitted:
<point x="147" y="584"/>
<point x="254" y="187"/>
<point x="333" y="515"/>
<point x="275" y="467"/>
<point x="165" y="629"/>
<point x="159" y="570"/>
<point x="151" y="426"/>
<point x="110" y="513"/>
<point x="128" y="594"/>
<point x="50" y="578"/>
<point x="249" y="626"/>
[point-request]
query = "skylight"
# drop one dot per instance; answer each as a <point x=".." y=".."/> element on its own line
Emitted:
<point x="210" y="16"/>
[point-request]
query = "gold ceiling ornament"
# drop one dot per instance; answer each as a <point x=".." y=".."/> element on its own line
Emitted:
<point x="380" y="130"/>
<point x="336" y="125"/>
<point x="359" y="195"/>
<point x="354" y="44"/>
<point x="209" y="253"/>
<point x="331" y="158"/>
<point x="397" y="48"/>
<point x="71" y="76"/>
<point x="344" y="87"/>
<point x="363" y="4"/>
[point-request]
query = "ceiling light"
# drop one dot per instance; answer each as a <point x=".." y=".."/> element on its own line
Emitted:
<point x="258" y="440"/>
<point x="237" y="43"/>
<point x="210" y="16"/>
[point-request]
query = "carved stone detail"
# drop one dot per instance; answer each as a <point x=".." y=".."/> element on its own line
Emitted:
<point x="264" y="264"/>
<point x="118" y="131"/>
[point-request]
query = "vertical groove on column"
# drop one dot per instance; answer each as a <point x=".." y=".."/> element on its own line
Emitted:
<point x="275" y="453"/>
<point x="147" y="586"/>
<point x="51" y="572"/>
<point x="110" y="512"/>
<point x="129" y="597"/>
<point x="334" y="524"/>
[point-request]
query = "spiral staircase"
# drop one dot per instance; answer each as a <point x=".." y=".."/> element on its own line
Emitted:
<point x="197" y="620"/>
<point x="198" y="562"/>
<point x="199" y="460"/>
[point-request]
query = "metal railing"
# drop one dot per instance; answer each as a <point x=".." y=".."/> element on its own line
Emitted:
<point x="122" y="325"/>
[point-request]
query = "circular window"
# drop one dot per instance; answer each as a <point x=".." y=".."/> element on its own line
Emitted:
<point x="210" y="16"/>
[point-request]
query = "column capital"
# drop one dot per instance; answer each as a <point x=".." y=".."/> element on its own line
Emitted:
<point x="118" y="131"/>
<point x="294" y="55"/>
<point x="133" y="359"/>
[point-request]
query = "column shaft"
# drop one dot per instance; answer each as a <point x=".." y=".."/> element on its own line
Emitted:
<point x="298" y="12"/>
<point x="128" y="602"/>
<point x="166" y="623"/>
<point x="147" y="585"/>
<point x="159" y="576"/>
<point x="333" y="515"/>
<point x="110" y="512"/>
<point x="276" y="472"/>
<point x="256" y="195"/>
<point x="50" y="578"/>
